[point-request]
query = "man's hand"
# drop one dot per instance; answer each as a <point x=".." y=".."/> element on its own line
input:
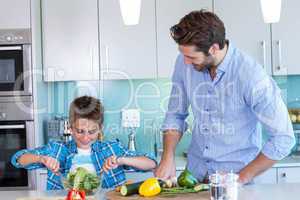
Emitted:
<point x="111" y="163"/>
<point x="166" y="169"/>
<point x="245" y="177"/>
<point x="167" y="166"/>
<point x="260" y="164"/>
<point x="50" y="163"/>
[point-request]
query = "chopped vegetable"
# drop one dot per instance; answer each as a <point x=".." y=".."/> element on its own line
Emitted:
<point x="183" y="190"/>
<point x="75" y="195"/>
<point x="81" y="179"/>
<point x="130" y="189"/>
<point x="150" y="187"/>
<point x="201" y="187"/>
<point x="168" y="183"/>
<point x="118" y="189"/>
<point x="186" y="179"/>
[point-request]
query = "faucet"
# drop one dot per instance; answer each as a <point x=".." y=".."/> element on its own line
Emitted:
<point x="131" y="140"/>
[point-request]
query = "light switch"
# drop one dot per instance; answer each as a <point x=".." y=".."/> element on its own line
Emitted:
<point x="130" y="118"/>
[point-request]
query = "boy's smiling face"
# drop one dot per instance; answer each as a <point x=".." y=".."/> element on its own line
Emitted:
<point x="85" y="132"/>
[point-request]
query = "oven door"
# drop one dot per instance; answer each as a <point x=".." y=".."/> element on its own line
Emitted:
<point x="15" y="70"/>
<point x="14" y="136"/>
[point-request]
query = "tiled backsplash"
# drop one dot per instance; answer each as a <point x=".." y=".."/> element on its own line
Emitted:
<point x="150" y="96"/>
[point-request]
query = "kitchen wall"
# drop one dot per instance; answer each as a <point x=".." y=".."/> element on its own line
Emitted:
<point x="150" y="96"/>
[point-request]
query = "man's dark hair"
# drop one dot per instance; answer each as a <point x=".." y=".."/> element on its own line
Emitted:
<point x="200" y="28"/>
<point x="86" y="107"/>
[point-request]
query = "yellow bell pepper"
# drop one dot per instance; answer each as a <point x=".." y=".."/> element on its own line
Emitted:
<point x="150" y="187"/>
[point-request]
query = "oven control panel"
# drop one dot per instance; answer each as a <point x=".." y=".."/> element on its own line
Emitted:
<point x="15" y="36"/>
<point x="3" y="115"/>
<point x="16" y="111"/>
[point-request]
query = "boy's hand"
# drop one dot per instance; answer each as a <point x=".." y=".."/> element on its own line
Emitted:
<point x="50" y="163"/>
<point x="111" y="163"/>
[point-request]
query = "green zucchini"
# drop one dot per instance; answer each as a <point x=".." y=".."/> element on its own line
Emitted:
<point x="201" y="187"/>
<point x="130" y="189"/>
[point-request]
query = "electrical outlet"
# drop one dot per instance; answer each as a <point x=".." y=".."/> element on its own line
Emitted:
<point x="130" y="118"/>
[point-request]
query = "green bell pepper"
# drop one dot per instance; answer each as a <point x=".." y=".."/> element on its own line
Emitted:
<point x="186" y="179"/>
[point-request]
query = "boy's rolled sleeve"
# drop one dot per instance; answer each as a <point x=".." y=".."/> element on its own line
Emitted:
<point x="17" y="155"/>
<point x="121" y="151"/>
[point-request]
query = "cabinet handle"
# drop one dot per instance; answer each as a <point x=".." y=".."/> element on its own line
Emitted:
<point x="263" y="45"/>
<point x="283" y="175"/>
<point x="92" y="59"/>
<point x="107" y="58"/>
<point x="278" y="68"/>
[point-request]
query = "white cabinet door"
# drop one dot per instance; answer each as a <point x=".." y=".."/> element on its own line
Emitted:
<point x="268" y="177"/>
<point x="246" y="29"/>
<point x="286" y="40"/>
<point x="14" y="14"/>
<point x="70" y="40"/>
<point x="127" y="51"/>
<point x="288" y="175"/>
<point x="41" y="180"/>
<point x="138" y="176"/>
<point x="169" y="13"/>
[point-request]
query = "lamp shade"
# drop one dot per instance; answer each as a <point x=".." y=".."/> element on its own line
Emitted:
<point x="130" y="10"/>
<point x="271" y="10"/>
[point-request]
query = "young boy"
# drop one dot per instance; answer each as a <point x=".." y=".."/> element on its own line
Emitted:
<point x="85" y="150"/>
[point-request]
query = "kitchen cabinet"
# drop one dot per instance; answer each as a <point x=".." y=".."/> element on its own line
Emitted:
<point x="70" y="40"/>
<point x="168" y="13"/>
<point x="288" y="175"/>
<point x="127" y="52"/>
<point x="138" y="176"/>
<point x="246" y="29"/>
<point x="279" y="175"/>
<point x="271" y="45"/>
<point x="285" y="41"/>
<point x="268" y="177"/>
<point x="14" y="14"/>
<point x="41" y="180"/>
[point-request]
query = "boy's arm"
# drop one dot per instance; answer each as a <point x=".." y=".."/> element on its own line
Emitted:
<point x="28" y="158"/>
<point x="139" y="162"/>
<point x="38" y="157"/>
<point x="128" y="159"/>
<point x="49" y="162"/>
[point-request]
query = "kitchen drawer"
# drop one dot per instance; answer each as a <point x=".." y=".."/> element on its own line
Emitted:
<point x="268" y="177"/>
<point x="288" y="175"/>
<point x="138" y="176"/>
<point x="41" y="180"/>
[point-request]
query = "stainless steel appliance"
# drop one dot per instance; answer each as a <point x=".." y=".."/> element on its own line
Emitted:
<point x="16" y="133"/>
<point x="15" y="62"/>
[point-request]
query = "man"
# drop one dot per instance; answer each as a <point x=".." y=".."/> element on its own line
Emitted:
<point x="230" y="94"/>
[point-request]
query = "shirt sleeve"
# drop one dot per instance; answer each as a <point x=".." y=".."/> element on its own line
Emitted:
<point x="178" y="102"/>
<point x="121" y="151"/>
<point x="267" y="104"/>
<point x="37" y="151"/>
<point x="52" y="149"/>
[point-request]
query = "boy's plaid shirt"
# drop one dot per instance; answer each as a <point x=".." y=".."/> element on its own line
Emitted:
<point x="64" y="153"/>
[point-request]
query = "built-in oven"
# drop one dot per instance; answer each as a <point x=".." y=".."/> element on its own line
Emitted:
<point x="16" y="133"/>
<point x="15" y="62"/>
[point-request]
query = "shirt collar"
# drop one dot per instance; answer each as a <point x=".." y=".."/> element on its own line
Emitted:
<point x="223" y="66"/>
<point x="72" y="146"/>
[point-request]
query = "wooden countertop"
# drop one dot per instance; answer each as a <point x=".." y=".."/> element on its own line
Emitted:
<point x="199" y="196"/>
